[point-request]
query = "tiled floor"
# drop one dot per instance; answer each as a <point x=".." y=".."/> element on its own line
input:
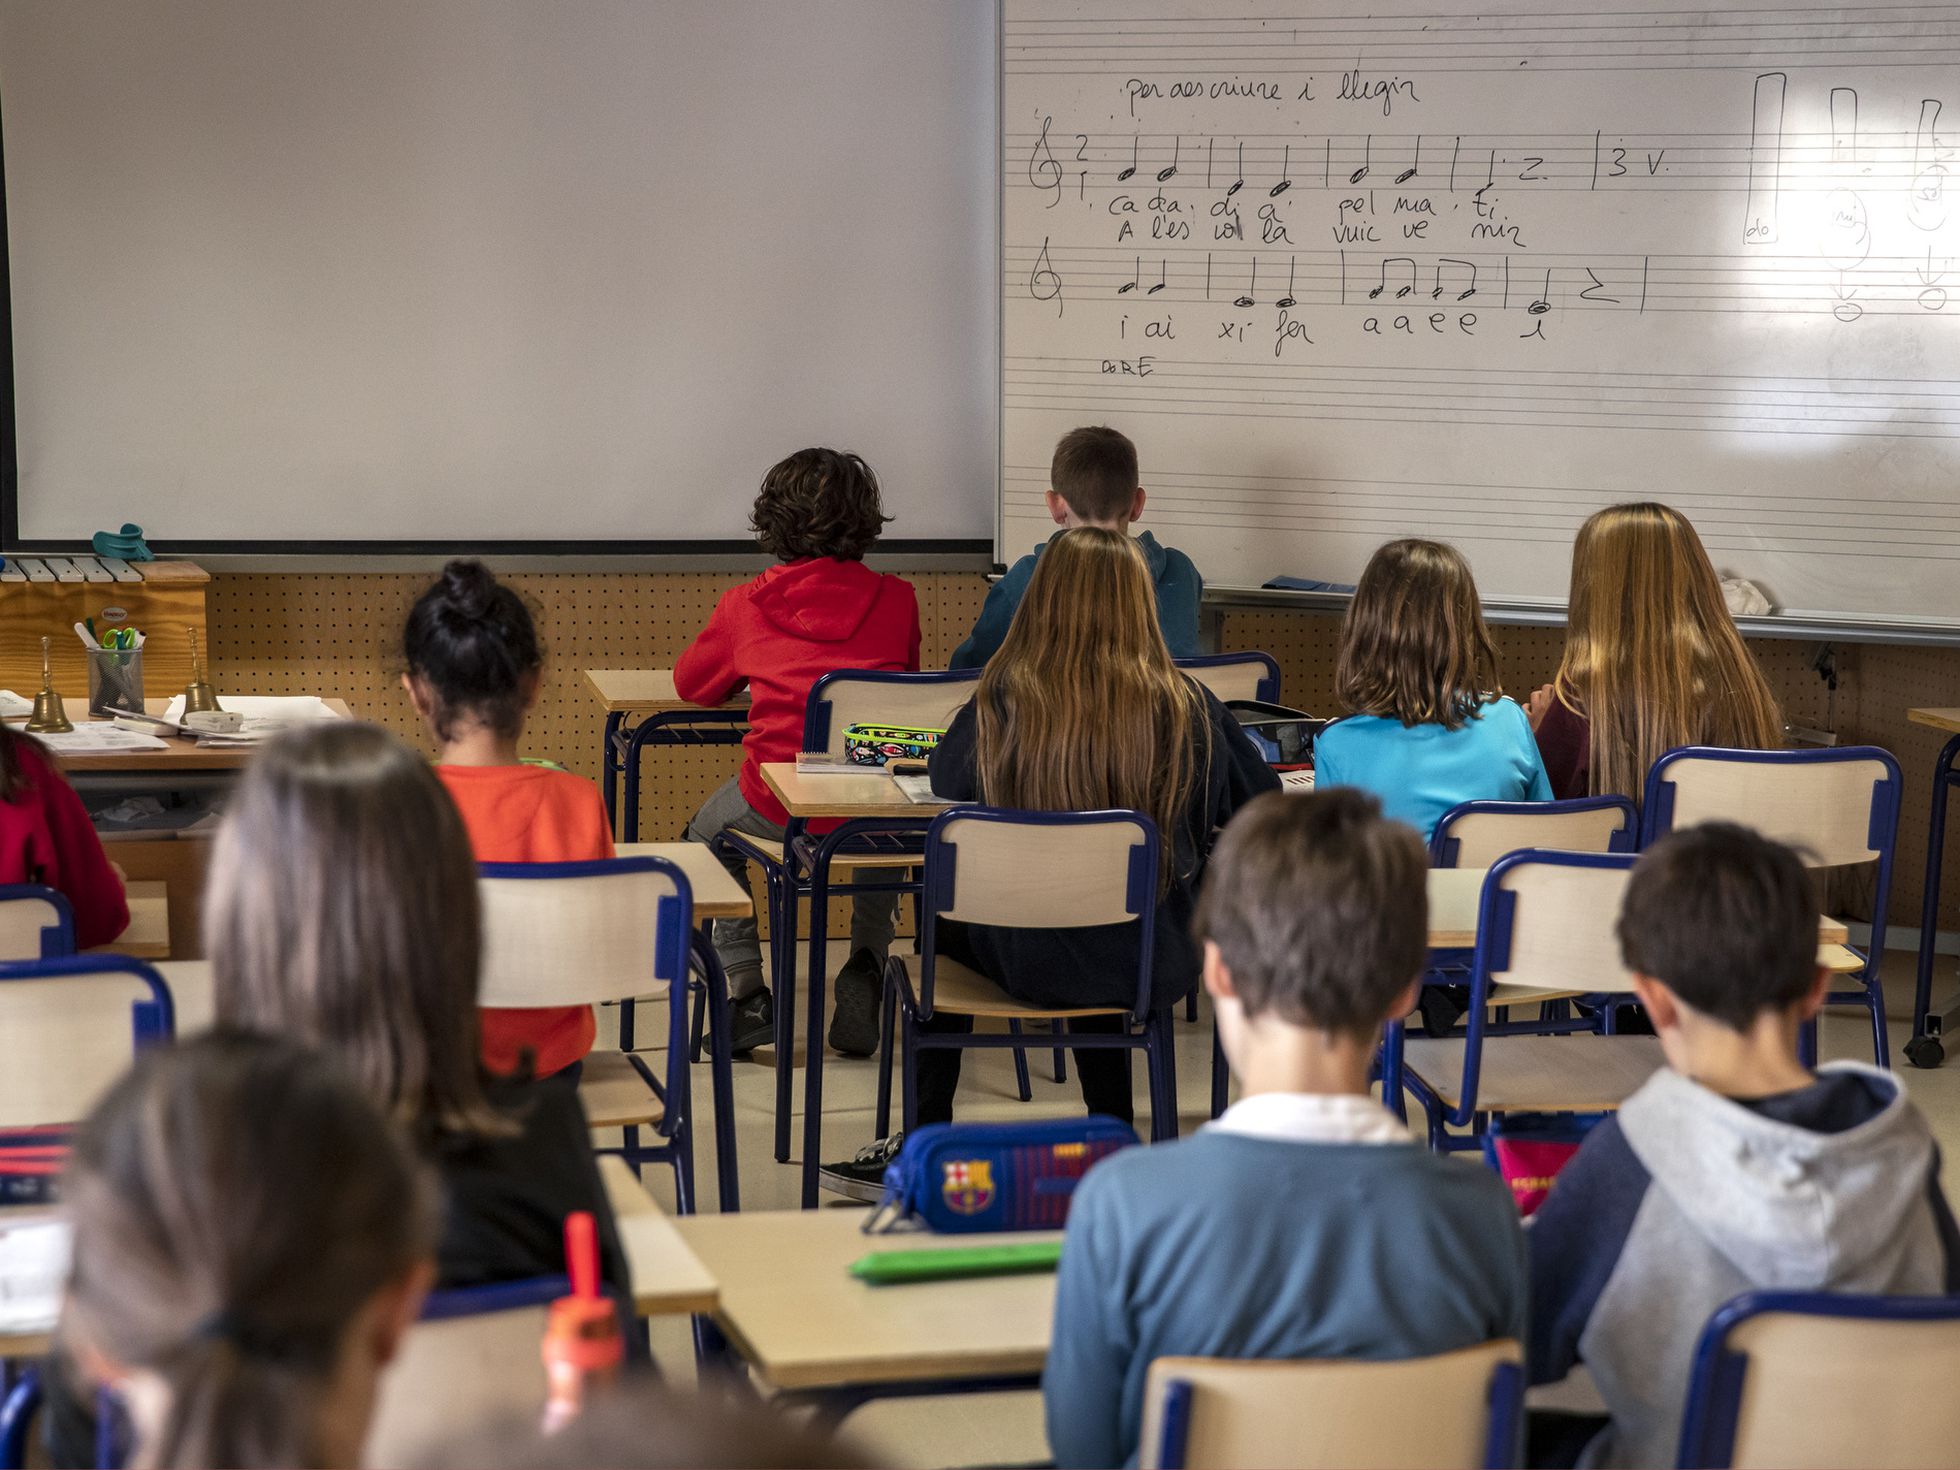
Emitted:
<point x="1006" y="1429"/>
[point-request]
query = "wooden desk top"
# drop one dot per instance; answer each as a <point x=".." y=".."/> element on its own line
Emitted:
<point x="148" y="934"/>
<point x="716" y="894"/>
<point x="668" y="1279"/>
<point x="183" y="755"/>
<point x="646" y="691"/>
<point x="1940" y="719"/>
<point x="873" y="794"/>
<point x="1454" y="894"/>
<point x="191" y="994"/>
<point x="790" y="1308"/>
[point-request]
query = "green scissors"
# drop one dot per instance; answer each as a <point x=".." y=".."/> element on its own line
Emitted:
<point x="119" y="638"/>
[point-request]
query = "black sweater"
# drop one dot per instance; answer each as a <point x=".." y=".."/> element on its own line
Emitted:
<point x="1097" y="966"/>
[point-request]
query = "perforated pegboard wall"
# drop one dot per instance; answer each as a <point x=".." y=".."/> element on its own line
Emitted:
<point x="340" y="635"/>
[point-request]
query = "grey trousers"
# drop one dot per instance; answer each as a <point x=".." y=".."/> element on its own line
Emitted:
<point x="874" y="916"/>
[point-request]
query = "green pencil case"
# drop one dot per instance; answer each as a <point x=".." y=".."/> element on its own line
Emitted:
<point x="900" y="1267"/>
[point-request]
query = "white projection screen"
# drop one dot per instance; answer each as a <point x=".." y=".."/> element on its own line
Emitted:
<point x="508" y="273"/>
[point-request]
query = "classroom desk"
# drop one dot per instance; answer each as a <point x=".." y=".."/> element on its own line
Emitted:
<point x="664" y="719"/>
<point x="668" y="1278"/>
<point x="1929" y="1026"/>
<point x="865" y="805"/>
<point x="804" y="1325"/>
<point x="176" y="860"/>
<point x="717" y="895"/>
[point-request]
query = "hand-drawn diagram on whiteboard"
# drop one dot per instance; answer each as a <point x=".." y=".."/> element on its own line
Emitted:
<point x="1349" y="272"/>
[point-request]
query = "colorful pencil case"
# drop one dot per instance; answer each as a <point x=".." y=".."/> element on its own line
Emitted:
<point x="874" y="745"/>
<point x="899" y="1268"/>
<point x="962" y="1178"/>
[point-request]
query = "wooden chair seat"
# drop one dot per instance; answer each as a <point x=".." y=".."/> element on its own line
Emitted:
<point x="615" y="1095"/>
<point x="1530" y="995"/>
<point x="1839" y="960"/>
<point x="960" y="991"/>
<point x="1531" y="1074"/>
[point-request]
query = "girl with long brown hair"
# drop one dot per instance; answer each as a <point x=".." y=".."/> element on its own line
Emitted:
<point x="252" y="1240"/>
<point x="1652" y="658"/>
<point x="342" y="909"/>
<point x="1083" y="710"/>
<point x="1430" y="725"/>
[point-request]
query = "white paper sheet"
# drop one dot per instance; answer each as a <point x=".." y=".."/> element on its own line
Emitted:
<point x="12" y="705"/>
<point x="91" y="738"/>
<point x="33" y="1267"/>
<point x="285" y="709"/>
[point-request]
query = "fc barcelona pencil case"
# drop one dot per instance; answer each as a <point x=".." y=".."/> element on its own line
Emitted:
<point x="961" y="1178"/>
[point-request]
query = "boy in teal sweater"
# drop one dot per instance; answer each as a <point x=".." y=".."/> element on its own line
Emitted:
<point x="1093" y="482"/>
<point x="1307" y="1222"/>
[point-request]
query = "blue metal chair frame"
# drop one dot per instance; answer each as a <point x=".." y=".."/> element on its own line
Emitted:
<point x="1496" y="919"/>
<point x="17" y="1410"/>
<point x="673" y="936"/>
<point x="497" y="1296"/>
<point x="1148" y="1030"/>
<point x="1268" y="689"/>
<point x="1503" y="1436"/>
<point x="1716" y="1382"/>
<point x="1658" y="819"/>
<point x="57" y="939"/>
<point x="804" y="870"/>
<point x="621" y="750"/>
<point x="1925" y="1049"/>
<point x="150" y="1021"/>
<point x="1444" y="848"/>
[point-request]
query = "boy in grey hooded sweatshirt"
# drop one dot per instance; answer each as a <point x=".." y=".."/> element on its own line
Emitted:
<point x="1734" y="1168"/>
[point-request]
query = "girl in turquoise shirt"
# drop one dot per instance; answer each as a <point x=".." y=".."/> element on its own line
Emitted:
<point x="1417" y="667"/>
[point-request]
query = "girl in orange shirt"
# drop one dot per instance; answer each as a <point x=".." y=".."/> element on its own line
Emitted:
<point x="474" y="662"/>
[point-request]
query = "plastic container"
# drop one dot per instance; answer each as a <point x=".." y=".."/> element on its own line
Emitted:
<point x="115" y="681"/>
<point x="1284" y="736"/>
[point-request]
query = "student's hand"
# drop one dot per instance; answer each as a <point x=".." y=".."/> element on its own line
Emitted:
<point x="1539" y="705"/>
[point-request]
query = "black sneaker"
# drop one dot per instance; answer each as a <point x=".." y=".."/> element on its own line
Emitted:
<point x="864" y="1176"/>
<point x="751" y="1023"/>
<point x="1442" y="1006"/>
<point x="860" y="996"/>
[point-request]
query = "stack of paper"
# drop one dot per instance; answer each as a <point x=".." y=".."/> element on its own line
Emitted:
<point x="13" y="707"/>
<point x="100" y="738"/>
<point x="265" y="716"/>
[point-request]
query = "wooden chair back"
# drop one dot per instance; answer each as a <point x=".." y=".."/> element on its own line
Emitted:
<point x="1229" y="676"/>
<point x="923" y="701"/>
<point x="36" y="923"/>
<point x="565" y="934"/>
<point x="1836" y="807"/>
<point x="1548" y="920"/>
<point x="1478" y="833"/>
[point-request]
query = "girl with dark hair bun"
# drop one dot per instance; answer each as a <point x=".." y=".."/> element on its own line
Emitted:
<point x="474" y="666"/>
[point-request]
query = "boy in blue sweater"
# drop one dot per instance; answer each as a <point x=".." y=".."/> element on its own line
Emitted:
<point x="1093" y="482"/>
<point x="1307" y="1222"/>
<point x="1735" y="1168"/>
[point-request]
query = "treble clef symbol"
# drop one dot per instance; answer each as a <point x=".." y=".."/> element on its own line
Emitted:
<point x="1043" y="171"/>
<point x="1044" y="284"/>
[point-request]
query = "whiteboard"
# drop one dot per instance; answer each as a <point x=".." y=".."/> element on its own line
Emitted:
<point x="1354" y="272"/>
<point x="461" y="271"/>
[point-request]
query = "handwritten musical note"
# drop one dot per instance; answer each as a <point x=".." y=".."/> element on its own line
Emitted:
<point x="1397" y="261"/>
<point x="1130" y="172"/>
<point x="1544" y="302"/>
<point x="1415" y="164"/>
<point x="1239" y="183"/>
<point x="1285" y="169"/>
<point x="1468" y="291"/>
<point x="1131" y="284"/>
<point x="1163" y="278"/>
<point x="1367" y="152"/>
<point x="1292" y="264"/>
<point x="1251" y="285"/>
<point x="1165" y="175"/>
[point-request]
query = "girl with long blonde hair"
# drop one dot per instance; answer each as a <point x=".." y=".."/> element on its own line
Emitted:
<point x="1652" y="658"/>
<point x="1082" y="709"/>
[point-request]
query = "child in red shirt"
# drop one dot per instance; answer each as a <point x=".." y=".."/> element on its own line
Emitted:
<point x="46" y="838"/>
<point x="473" y="666"/>
<point x="818" y="610"/>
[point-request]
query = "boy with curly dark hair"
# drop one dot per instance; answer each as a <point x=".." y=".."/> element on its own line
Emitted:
<point x="817" y="610"/>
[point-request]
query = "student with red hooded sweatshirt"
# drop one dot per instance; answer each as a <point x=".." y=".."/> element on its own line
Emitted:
<point x="818" y="610"/>
<point x="45" y="837"/>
